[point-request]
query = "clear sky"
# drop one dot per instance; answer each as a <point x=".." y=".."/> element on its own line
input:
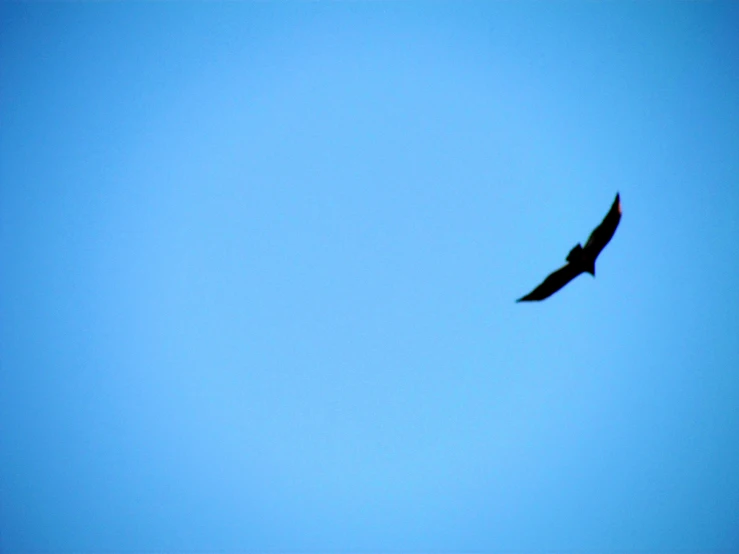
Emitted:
<point x="258" y="264"/>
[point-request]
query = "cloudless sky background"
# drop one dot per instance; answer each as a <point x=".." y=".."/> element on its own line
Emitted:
<point x="259" y="261"/>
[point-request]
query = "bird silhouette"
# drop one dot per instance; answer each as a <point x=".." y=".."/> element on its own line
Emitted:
<point x="581" y="259"/>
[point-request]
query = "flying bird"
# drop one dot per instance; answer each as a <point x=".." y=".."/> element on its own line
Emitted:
<point x="581" y="259"/>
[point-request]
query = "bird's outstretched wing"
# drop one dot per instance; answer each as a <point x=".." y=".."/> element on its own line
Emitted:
<point x="604" y="232"/>
<point x="553" y="283"/>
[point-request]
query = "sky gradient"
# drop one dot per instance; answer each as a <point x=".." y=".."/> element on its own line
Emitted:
<point x="258" y="264"/>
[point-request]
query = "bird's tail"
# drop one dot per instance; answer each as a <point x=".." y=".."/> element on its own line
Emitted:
<point x="575" y="254"/>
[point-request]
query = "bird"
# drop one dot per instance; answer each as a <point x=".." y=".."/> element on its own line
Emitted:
<point x="581" y="259"/>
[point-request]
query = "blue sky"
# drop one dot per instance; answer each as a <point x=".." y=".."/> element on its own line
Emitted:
<point x="258" y="265"/>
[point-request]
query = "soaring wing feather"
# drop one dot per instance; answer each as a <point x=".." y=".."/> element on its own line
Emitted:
<point x="603" y="233"/>
<point x="553" y="283"/>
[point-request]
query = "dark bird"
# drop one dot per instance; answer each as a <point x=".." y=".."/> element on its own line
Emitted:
<point x="581" y="259"/>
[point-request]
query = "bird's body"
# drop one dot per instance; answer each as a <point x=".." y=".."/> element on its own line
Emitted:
<point x="581" y="259"/>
